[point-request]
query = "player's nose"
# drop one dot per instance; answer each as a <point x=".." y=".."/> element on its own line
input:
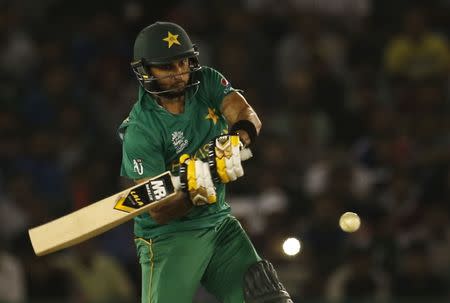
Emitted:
<point x="178" y="71"/>
<point x="179" y="68"/>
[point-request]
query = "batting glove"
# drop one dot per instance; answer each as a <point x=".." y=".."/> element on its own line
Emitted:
<point x="195" y="179"/>
<point x="224" y="158"/>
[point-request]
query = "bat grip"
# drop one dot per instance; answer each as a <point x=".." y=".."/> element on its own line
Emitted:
<point x="246" y="154"/>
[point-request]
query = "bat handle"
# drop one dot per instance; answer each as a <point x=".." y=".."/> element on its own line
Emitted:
<point x="176" y="182"/>
<point x="246" y="154"/>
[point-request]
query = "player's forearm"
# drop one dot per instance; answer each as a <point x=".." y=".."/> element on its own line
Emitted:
<point x="235" y="108"/>
<point x="163" y="213"/>
<point x="247" y="126"/>
<point x="177" y="207"/>
<point x="249" y="114"/>
<point x="241" y="117"/>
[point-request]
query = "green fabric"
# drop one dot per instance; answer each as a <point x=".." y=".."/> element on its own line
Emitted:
<point x="217" y="257"/>
<point x="154" y="139"/>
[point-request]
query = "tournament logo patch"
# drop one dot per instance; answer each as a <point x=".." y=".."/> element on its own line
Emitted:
<point x="179" y="141"/>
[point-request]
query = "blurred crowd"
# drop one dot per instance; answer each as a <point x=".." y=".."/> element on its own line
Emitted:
<point x="354" y="98"/>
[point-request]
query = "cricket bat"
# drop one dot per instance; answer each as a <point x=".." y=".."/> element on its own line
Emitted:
<point x="103" y="215"/>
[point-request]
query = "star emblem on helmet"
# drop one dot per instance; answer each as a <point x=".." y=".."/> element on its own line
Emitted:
<point x="171" y="39"/>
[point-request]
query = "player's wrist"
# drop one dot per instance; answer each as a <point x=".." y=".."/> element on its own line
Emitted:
<point x="245" y="126"/>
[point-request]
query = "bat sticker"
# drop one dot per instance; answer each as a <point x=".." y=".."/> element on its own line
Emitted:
<point x="151" y="191"/>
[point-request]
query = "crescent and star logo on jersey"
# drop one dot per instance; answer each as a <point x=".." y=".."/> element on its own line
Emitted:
<point x="171" y="39"/>
<point x="212" y="115"/>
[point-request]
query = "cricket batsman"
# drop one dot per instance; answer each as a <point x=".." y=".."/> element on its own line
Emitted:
<point x="189" y="119"/>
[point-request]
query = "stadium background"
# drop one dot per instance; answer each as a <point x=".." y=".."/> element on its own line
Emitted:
<point x="354" y="99"/>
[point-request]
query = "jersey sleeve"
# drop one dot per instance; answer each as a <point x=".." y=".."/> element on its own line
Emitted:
<point x="217" y="86"/>
<point x="141" y="157"/>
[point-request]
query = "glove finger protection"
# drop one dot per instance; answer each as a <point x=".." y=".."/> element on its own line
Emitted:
<point x="196" y="180"/>
<point x="225" y="158"/>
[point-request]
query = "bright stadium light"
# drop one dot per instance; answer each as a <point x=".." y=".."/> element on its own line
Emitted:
<point x="291" y="246"/>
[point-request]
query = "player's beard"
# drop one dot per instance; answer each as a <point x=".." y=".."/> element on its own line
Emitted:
<point x="178" y="90"/>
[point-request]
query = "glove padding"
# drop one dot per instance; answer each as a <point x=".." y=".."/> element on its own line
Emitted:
<point x="195" y="179"/>
<point x="225" y="158"/>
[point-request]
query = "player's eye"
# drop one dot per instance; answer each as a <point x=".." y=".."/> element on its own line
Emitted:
<point x="165" y="66"/>
<point x="183" y="62"/>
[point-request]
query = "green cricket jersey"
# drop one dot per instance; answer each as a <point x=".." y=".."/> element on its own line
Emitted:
<point x="154" y="139"/>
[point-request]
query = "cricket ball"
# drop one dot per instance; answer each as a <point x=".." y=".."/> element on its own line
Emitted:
<point x="349" y="222"/>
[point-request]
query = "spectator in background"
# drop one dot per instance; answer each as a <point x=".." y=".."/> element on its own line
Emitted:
<point x="71" y="140"/>
<point x="342" y="8"/>
<point x="434" y="229"/>
<point x="15" y="207"/>
<point x="336" y="174"/>
<point x="415" y="279"/>
<point x="400" y="200"/>
<point x="307" y="38"/>
<point x="382" y="239"/>
<point x="17" y="54"/>
<point x="328" y="79"/>
<point x="321" y="235"/>
<point x="45" y="95"/>
<point x="239" y="34"/>
<point x="42" y="165"/>
<point x="45" y="281"/>
<point x="97" y="278"/>
<point x="358" y="279"/>
<point x="417" y="53"/>
<point x="12" y="141"/>
<point x="12" y="277"/>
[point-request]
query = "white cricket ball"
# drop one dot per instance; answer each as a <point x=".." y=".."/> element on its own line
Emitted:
<point x="349" y="222"/>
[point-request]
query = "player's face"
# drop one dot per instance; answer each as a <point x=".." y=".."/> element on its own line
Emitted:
<point x="174" y="75"/>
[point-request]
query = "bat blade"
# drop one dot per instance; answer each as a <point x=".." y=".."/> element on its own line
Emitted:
<point x="101" y="216"/>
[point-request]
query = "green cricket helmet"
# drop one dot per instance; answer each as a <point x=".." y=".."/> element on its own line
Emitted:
<point x="160" y="44"/>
